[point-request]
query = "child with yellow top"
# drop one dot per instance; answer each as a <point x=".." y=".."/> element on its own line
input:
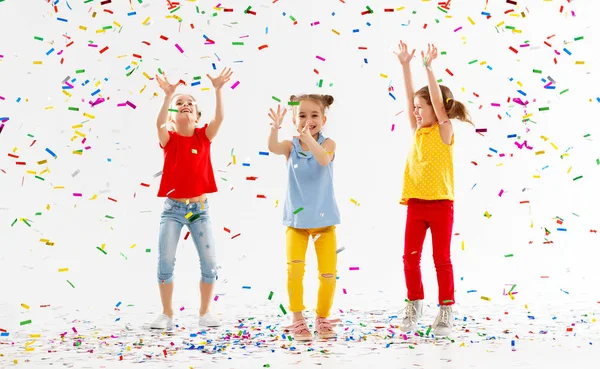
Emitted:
<point x="428" y="189"/>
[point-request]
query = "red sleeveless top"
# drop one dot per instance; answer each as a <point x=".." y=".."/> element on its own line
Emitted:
<point x="187" y="170"/>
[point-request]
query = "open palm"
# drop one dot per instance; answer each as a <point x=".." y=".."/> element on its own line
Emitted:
<point x="166" y="86"/>
<point x="404" y="57"/>
<point x="219" y="81"/>
<point x="432" y="54"/>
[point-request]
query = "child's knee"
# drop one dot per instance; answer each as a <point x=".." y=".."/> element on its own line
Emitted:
<point x="296" y="269"/>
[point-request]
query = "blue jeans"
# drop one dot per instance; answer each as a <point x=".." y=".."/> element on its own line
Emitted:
<point x="195" y="216"/>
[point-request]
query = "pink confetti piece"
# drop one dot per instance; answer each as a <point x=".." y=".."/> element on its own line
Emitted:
<point x="393" y="126"/>
<point x="216" y="297"/>
<point x="501" y="192"/>
<point x="179" y="48"/>
<point x="345" y="293"/>
<point x="458" y="29"/>
<point x="182" y="308"/>
<point x="131" y="104"/>
<point x="235" y="85"/>
<point x="2" y="98"/>
<point x="353" y="268"/>
<point x="315" y="23"/>
<point x="495" y="104"/>
<point x="77" y="194"/>
<point x="320" y="58"/>
<point x="74" y="330"/>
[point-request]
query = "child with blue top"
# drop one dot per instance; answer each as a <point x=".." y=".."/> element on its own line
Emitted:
<point x="310" y="208"/>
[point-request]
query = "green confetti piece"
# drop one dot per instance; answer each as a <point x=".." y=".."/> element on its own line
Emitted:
<point x="101" y="250"/>
<point x="25" y="322"/>
<point x="439" y="80"/>
<point x="292" y="18"/>
<point x="106" y="27"/>
<point x="38" y="213"/>
<point x="72" y="108"/>
<point x="25" y="221"/>
<point x="282" y="309"/>
<point x="176" y="9"/>
<point x="587" y="135"/>
<point x="197" y="78"/>
<point x="173" y="110"/>
<point x="109" y="217"/>
<point x="597" y="161"/>
<point x="428" y="330"/>
<point x="473" y="61"/>
<point x="266" y="366"/>
<point x="194" y="217"/>
<point x="578" y="38"/>
<point x="298" y="210"/>
<point x="512" y="288"/>
<point x="276" y="99"/>
<point x="194" y="151"/>
<point x="294" y="103"/>
<point x="289" y="337"/>
<point x="508" y="255"/>
<point x="13" y="223"/>
<point x="545" y="108"/>
<point x="29" y="135"/>
<point x="38" y="38"/>
<point x="563" y="91"/>
<point x="510" y="27"/>
<point x="40" y="178"/>
<point x="301" y="153"/>
<point x="147" y="250"/>
<point x="237" y="43"/>
<point x="443" y="10"/>
<point x="576" y="178"/>
<point x="320" y="83"/>
<point x="411" y="347"/>
<point x="443" y="53"/>
<point x="447" y="301"/>
<point x="271" y="295"/>
<point x="70" y="283"/>
<point x="79" y="71"/>
<point x="160" y="71"/>
<point x="537" y="71"/>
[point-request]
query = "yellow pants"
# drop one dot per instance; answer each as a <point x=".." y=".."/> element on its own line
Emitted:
<point x="326" y="246"/>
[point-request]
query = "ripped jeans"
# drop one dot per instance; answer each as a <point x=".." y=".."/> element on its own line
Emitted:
<point x="195" y="216"/>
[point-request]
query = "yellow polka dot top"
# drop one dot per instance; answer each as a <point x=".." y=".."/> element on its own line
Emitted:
<point x="429" y="171"/>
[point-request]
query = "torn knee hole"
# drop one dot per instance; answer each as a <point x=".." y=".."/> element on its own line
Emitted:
<point x="297" y="261"/>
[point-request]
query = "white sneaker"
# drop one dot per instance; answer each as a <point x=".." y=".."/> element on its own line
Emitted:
<point x="412" y="313"/>
<point x="208" y="320"/>
<point x="443" y="324"/>
<point x="162" y="322"/>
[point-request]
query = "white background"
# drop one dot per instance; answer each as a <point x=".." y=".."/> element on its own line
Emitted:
<point x="369" y="161"/>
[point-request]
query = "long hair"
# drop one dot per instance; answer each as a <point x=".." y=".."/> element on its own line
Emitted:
<point x="454" y="109"/>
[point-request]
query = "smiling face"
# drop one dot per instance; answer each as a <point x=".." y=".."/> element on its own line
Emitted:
<point x="187" y="111"/>
<point x="424" y="112"/>
<point x="309" y="112"/>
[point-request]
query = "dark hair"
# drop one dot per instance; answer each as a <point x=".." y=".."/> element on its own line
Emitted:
<point x="454" y="109"/>
<point x="324" y="100"/>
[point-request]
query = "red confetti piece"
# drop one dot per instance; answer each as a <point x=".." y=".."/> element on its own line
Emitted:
<point x="235" y="236"/>
<point x="513" y="50"/>
<point x="227" y="230"/>
<point x="104" y="49"/>
<point x="145" y="184"/>
<point x="263" y="47"/>
<point x="261" y="196"/>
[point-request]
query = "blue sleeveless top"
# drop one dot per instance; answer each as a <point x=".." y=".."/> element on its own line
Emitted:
<point x="310" y="199"/>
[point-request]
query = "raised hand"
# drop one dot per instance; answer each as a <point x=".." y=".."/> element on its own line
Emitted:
<point x="432" y="54"/>
<point x="166" y="86"/>
<point x="404" y="57"/>
<point x="277" y="117"/>
<point x="221" y="79"/>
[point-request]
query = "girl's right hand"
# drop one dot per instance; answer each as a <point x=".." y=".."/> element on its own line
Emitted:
<point x="403" y="56"/>
<point x="167" y="87"/>
<point x="277" y="117"/>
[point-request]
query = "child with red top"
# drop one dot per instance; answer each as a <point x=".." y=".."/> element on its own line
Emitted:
<point x="187" y="178"/>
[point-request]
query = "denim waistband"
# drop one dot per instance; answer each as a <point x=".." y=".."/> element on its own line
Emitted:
<point x="198" y="206"/>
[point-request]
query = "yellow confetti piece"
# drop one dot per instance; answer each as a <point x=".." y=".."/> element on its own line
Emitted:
<point x="146" y="75"/>
<point x="500" y="24"/>
<point x="536" y="176"/>
<point x="579" y="62"/>
<point x="35" y="335"/>
<point x="544" y="138"/>
<point x="462" y="245"/>
<point x="31" y="172"/>
<point x="145" y="22"/>
<point x="355" y="202"/>
<point x="483" y="63"/>
<point x="569" y="170"/>
<point x="77" y="126"/>
<point x="462" y="344"/>
<point x="383" y="75"/>
<point x="89" y="116"/>
<point x="188" y="215"/>
<point x="512" y="297"/>
<point x="143" y="88"/>
<point x="94" y="197"/>
<point x="205" y="89"/>
<point x="38" y="62"/>
<point x="77" y="152"/>
<point x="117" y="24"/>
<point x="486" y="298"/>
<point x="100" y="31"/>
<point x="527" y="116"/>
<point x="60" y="270"/>
<point x="49" y="107"/>
<point x="400" y="8"/>
<point x="47" y="206"/>
<point x="42" y="162"/>
<point x="44" y="240"/>
<point x="59" y="187"/>
<point x="553" y="145"/>
<point x="540" y="152"/>
<point x="132" y="246"/>
<point x="25" y="306"/>
<point x="83" y="28"/>
<point x="233" y="159"/>
<point x="66" y="93"/>
<point x="80" y="134"/>
<point x="29" y="349"/>
<point x="471" y="20"/>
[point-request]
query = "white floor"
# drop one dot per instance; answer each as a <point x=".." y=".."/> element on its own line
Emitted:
<point x="366" y="339"/>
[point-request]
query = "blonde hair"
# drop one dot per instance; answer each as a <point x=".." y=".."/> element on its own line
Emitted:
<point x="454" y="109"/>
<point x="324" y="101"/>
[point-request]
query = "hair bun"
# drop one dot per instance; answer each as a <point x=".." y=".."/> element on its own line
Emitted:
<point x="293" y="98"/>
<point x="329" y="99"/>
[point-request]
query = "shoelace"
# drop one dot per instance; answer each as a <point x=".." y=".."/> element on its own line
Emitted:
<point x="411" y="311"/>
<point x="326" y="324"/>
<point x="445" y="316"/>
<point x="298" y="327"/>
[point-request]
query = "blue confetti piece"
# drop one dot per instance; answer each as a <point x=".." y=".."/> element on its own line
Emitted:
<point x="50" y="51"/>
<point x="355" y="30"/>
<point x="96" y="92"/>
<point x="368" y="24"/>
<point x="214" y="66"/>
<point x="522" y="93"/>
<point x="18" y="99"/>
<point x="598" y="99"/>
<point x="62" y="20"/>
<point x="561" y="229"/>
<point x="131" y="13"/>
<point x="246" y="287"/>
<point x="245" y="164"/>
<point x="493" y="150"/>
<point x="195" y="83"/>
<point x="366" y="61"/>
<point x="393" y="97"/>
<point x="116" y="320"/>
<point x="471" y="291"/>
<point x="51" y="153"/>
<point x="109" y="160"/>
<point x="263" y="153"/>
<point x="69" y="6"/>
<point x="332" y="14"/>
<point x="512" y="136"/>
<point x="567" y="51"/>
<point x="4" y="334"/>
<point x="266" y="30"/>
<point x="485" y="13"/>
<point x="489" y="67"/>
<point x="283" y="14"/>
<point x="550" y="87"/>
<point x="119" y="304"/>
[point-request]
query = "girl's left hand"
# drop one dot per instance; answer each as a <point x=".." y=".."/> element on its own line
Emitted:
<point x="221" y="79"/>
<point x="432" y="53"/>
<point x="304" y="134"/>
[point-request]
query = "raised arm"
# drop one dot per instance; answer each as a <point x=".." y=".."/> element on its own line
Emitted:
<point x="163" y="113"/>
<point x="404" y="57"/>
<point x="274" y="146"/>
<point x="218" y="83"/>
<point x="437" y="99"/>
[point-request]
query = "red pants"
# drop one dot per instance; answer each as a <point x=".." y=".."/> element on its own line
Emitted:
<point x="438" y="215"/>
